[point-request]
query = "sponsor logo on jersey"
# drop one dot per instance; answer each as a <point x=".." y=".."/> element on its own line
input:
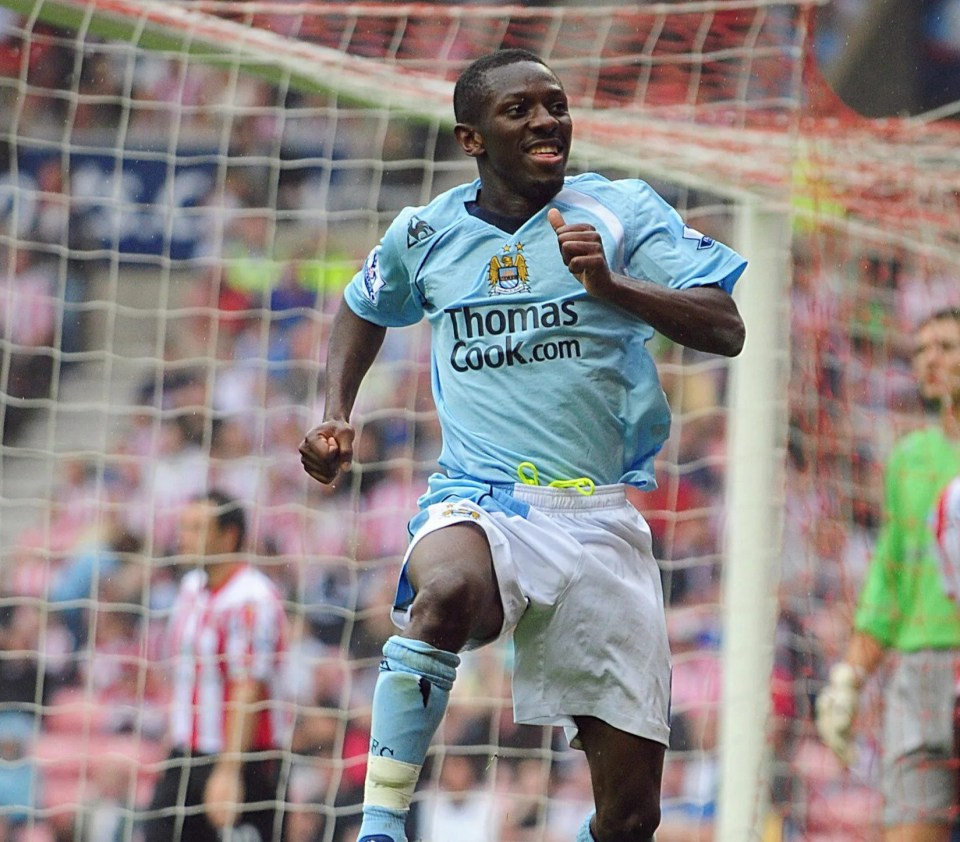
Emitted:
<point x="372" y="281"/>
<point x="495" y="337"/>
<point x="508" y="273"/>
<point x="418" y="231"/>
<point x="703" y="241"/>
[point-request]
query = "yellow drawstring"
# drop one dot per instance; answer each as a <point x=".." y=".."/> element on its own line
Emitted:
<point x="529" y="475"/>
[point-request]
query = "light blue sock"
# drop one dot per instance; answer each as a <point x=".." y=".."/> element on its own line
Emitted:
<point x="584" y="834"/>
<point x="408" y="703"/>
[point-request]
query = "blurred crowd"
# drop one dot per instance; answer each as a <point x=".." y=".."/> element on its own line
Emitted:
<point x="84" y="593"/>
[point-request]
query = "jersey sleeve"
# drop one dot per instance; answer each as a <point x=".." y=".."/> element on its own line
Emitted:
<point x="254" y="640"/>
<point x="665" y="250"/>
<point x="879" y="608"/>
<point x="383" y="292"/>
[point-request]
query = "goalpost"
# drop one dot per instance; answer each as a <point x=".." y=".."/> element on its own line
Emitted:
<point x="188" y="187"/>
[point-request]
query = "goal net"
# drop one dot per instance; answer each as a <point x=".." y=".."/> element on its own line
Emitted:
<point x="186" y="187"/>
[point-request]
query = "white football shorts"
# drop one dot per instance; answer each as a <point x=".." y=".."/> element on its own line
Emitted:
<point x="582" y="597"/>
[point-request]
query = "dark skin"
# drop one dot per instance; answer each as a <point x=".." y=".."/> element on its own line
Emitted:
<point x="521" y="141"/>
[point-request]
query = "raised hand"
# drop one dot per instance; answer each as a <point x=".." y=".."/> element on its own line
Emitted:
<point x="582" y="251"/>
<point x="327" y="449"/>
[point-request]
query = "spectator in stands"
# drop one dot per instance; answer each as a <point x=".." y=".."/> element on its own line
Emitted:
<point x="227" y="724"/>
<point x="797" y="667"/>
<point x="904" y="610"/>
<point x="56" y="224"/>
<point x="18" y="773"/>
<point x="79" y="580"/>
<point x="463" y="806"/>
<point x="235" y="464"/>
<point x="178" y="473"/>
<point x="28" y="315"/>
<point x="29" y="667"/>
<point x="121" y="670"/>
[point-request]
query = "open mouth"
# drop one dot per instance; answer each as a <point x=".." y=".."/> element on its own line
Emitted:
<point x="546" y="150"/>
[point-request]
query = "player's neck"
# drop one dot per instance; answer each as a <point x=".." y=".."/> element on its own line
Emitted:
<point x="951" y="426"/>
<point x="950" y="417"/>
<point x="509" y="203"/>
<point x="219" y="573"/>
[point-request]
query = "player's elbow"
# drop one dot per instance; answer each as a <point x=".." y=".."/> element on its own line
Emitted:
<point x="730" y="339"/>
<point x="725" y="340"/>
<point x="723" y="331"/>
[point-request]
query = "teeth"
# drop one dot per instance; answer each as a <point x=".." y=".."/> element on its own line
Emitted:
<point x="548" y="149"/>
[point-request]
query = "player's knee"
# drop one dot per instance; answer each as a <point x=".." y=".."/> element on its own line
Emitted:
<point x="444" y="610"/>
<point x="457" y="596"/>
<point x="626" y="822"/>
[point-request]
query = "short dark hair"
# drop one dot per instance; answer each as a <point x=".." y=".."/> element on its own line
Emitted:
<point x="945" y="315"/>
<point x="471" y="88"/>
<point x="228" y="513"/>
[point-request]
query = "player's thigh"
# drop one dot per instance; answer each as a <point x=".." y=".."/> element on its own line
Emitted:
<point x="626" y="770"/>
<point x="451" y="569"/>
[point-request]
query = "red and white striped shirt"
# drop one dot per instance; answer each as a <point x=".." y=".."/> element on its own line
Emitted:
<point x="218" y="637"/>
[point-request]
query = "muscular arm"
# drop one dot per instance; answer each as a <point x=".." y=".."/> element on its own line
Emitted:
<point x="327" y="449"/>
<point x="354" y="344"/>
<point x="703" y="318"/>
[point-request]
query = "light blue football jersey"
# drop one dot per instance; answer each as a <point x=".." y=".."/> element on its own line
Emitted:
<point x="526" y="366"/>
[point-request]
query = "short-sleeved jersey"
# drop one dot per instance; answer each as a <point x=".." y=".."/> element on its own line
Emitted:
<point x="526" y="366"/>
<point x="903" y="603"/>
<point x="216" y="637"/>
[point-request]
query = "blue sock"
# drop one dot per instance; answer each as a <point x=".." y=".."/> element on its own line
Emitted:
<point x="408" y="703"/>
<point x="584" y="834"/>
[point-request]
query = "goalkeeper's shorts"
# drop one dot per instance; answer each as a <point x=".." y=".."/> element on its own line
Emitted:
<point x="919" y="778"/>
<point x="582" y="596"/>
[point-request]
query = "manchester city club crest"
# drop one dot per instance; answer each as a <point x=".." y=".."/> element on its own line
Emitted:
<point x="508" y="273"/>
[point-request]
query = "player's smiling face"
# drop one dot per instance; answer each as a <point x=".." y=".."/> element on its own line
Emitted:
<point x="522" y="140"/>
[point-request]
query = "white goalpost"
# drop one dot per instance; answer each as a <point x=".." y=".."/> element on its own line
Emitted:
<point x="185" y="187"/>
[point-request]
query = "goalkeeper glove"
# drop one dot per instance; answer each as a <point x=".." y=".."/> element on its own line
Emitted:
<point x="835" y="709"/>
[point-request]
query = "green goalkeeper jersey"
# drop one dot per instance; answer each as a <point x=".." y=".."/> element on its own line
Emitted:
<point x="903" y="603"/>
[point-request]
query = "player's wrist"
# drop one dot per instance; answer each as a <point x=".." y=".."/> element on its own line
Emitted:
<point x="848" y="675"/>
<point x="229" y="763"/>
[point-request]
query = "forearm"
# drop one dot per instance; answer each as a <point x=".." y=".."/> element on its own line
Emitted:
<point x="240" y="721"/>
<point x="354" y="344"/>
<point x="864" y="653"/>
<point x="702" y="318"/>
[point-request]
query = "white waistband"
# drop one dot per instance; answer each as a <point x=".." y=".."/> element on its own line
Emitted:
<point x="570" y="499"/>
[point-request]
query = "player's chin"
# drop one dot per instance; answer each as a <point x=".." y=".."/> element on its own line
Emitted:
<point x="933" y="390"/>
<point x="545" y="187"/>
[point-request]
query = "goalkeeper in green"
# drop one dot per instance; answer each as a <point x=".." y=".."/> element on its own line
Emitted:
<point x="905" y="613"/>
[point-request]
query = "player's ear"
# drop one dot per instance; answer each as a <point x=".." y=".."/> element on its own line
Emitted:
<point x="469" y="139"/>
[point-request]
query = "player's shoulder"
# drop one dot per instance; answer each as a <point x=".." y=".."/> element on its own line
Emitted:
<point x="595" y="184"/>
<point x="626" y="198"/>
<point x="918" y="446"/>
<point x="250" y="584"/>
<point x="416" y="227"/>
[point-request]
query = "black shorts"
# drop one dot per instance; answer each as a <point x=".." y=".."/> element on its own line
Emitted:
<point x="176" y="812"/>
